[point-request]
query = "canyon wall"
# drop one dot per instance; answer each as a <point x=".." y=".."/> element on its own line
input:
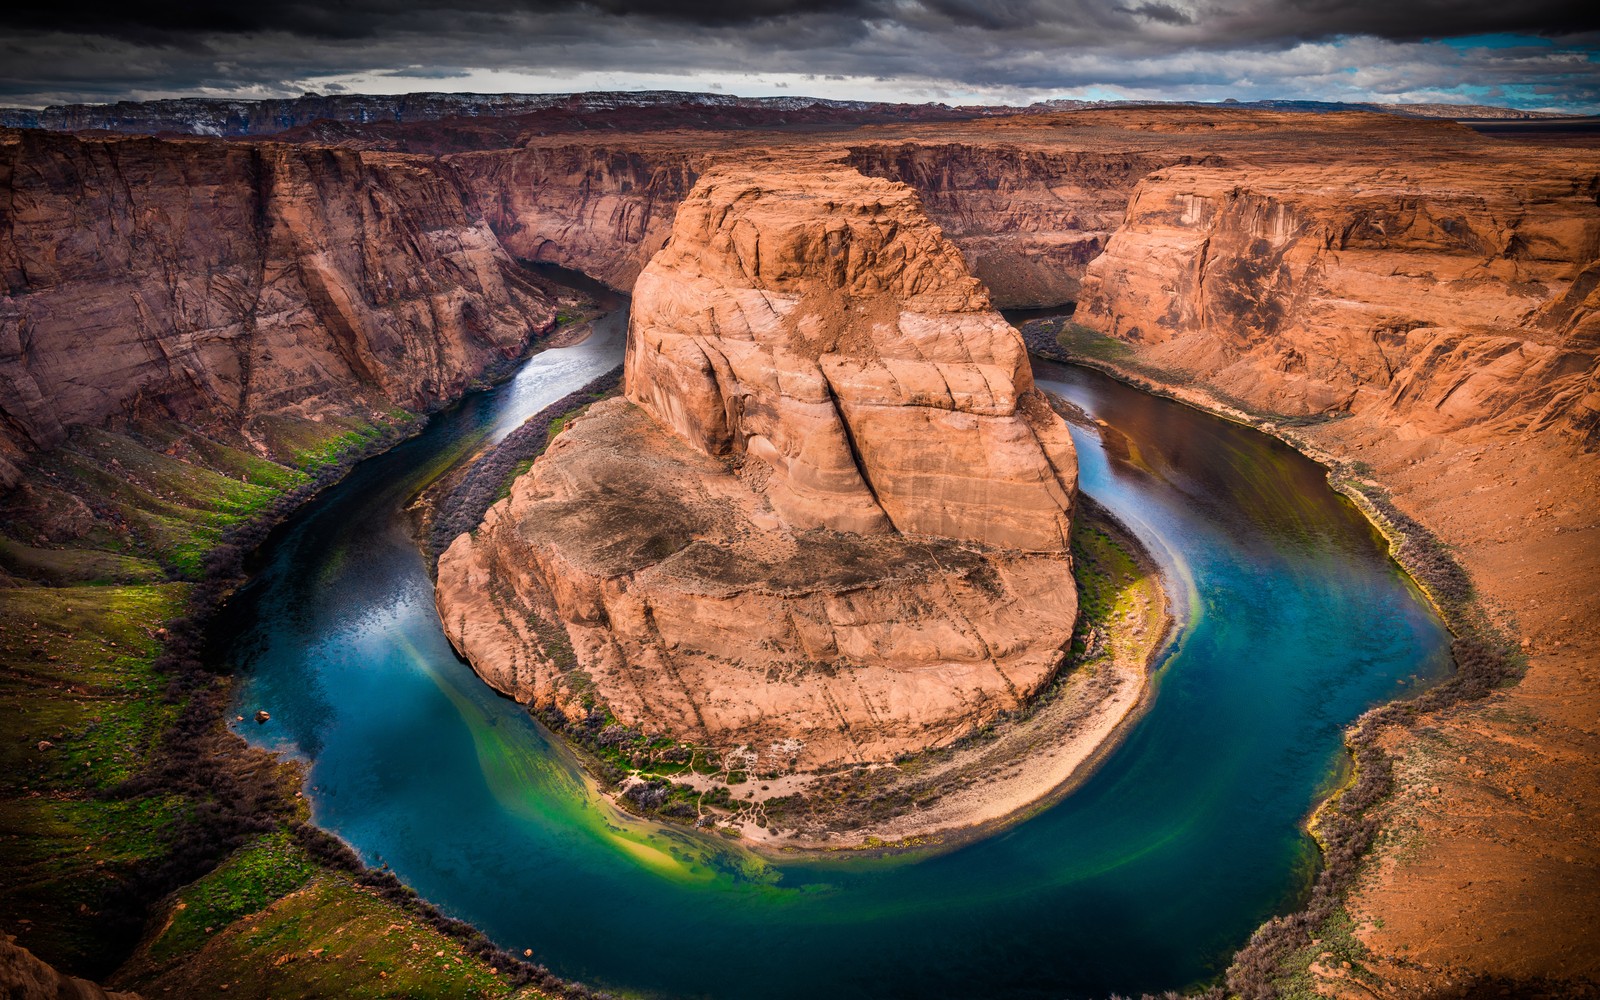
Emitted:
<point x="603" y="210"/>
<point x="1028" y="221"/>
<point x="1442" y="297"/>
<point x="230" y="284"/>
<point x="829" y="521"/>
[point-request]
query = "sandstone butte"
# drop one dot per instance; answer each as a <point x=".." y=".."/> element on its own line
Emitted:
<point x="828" y="523"/>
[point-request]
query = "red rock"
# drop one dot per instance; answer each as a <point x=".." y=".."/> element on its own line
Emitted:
<point x="832" y="509"/>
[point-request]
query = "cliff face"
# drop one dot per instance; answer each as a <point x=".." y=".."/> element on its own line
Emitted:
<point x="601" y="210"/>
<point x="230" y="284"/>
<point x="1445" y="298"/>
<point x="822" y="326"/>
<point x="830" y="520"/>
<point x="1028" y="221"/>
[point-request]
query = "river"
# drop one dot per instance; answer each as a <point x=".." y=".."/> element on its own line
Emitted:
<point x="1146" y="878"/>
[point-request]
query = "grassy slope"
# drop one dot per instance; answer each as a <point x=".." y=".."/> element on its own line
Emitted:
<point x="272" y="922"/>
<point x="98" y="554"/>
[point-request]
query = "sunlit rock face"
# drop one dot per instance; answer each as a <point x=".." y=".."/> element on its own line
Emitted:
<point x="828" y="522"/>
<point x="1448" y="299"/>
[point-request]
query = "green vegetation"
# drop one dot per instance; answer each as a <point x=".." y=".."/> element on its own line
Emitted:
<point x="357" y="439"/>
<point x="118" y="774"/>
<point x="129" y="507"/>
<point x="256" y="876"/>
<point x="63" y="567"/>
<point x="81" y="710"/>
<point x="1112" y="585"/>
<point x="1335" y="946"/>
<point x="325" y="935"/>
<point x="1083" y="342"/>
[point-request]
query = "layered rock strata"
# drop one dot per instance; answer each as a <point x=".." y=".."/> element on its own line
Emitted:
<point x="1028" y="221"/>
<point x="1445" y="298"/>
<point x="601" y="210"/>
<point x="226" y="283"/>
<point x="829" y="521"/>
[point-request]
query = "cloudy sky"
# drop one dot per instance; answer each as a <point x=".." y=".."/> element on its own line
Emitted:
<point x="1541" y="54"/>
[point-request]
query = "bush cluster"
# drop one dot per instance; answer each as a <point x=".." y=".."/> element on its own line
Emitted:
<point x="1425" y="556"/>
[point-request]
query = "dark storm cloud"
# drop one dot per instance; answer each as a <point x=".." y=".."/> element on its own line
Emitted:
<point x="101" y="49"/>
<point x="1297" y="19"/>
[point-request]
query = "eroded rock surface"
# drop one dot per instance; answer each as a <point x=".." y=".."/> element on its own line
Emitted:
<point x="222" y="284"/>
<point x="828" y="522"/>
<point x="824" y="327"/>
<point x="24" y="976"/>
<point x="1446" y="297"/>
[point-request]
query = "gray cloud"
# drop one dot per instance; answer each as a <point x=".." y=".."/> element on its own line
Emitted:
<point x="1163" y="12"/>
<point x="999" y="49"/>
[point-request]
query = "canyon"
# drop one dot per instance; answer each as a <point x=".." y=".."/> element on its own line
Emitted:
<point x="1405" y="296"/>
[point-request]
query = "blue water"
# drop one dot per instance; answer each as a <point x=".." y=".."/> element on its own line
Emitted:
<point x="1146" y="878"/>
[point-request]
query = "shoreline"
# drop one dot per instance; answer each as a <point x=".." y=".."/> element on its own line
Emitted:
<point x="200" y="752"/>
<point x="1339" y="474"/>
<point x="1003" y="775"/>
<point x="1346" y="821"/>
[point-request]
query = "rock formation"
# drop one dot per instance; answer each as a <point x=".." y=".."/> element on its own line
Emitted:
<point x="24" y="976"/>
<point x="829" y="522"/>
<point x="598" y="209"/>
<point x="1446" y="298"/>
<point x="1028" y="221"/>
<point x="228" y="284"/>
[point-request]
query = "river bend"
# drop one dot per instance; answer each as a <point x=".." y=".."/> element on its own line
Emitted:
<point x="1146" y="878"/>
